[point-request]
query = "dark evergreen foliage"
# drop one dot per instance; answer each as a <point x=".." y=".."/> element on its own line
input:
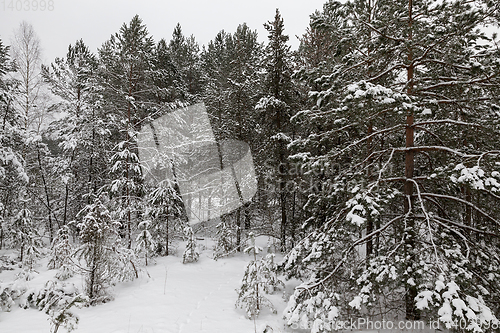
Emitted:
<point x="404" y="119"/>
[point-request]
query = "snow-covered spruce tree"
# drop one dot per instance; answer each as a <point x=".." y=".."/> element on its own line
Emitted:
<point x="191" y="252"/>
<point x="126" y="77"/>
<point x="259" y="279"/>
<point x="184" y="54"/>
<point x="80" y="133"/>
<point x="12" y="172"/>
<point x="60" y="255"/>
<point x="406" y="121"/>
<point x="144" y="242"/>
<point x="275" y="107"/>
<point x="25" y="236"/>
<point x="103" y="260"/>
<point x="223" y="240"/>
<point x="164" y="209"/>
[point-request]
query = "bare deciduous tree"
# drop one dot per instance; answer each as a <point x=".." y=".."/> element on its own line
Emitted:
<point x="26" y="53"/>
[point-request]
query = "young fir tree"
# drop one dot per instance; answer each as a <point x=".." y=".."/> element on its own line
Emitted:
<point x="105" y="260"/>
<point x="269" y="274"/>
<point x="144" y="241"/>
<point x="191" y="252"/>
<point x="25" y="236"/>
<point x="56" y="299"/>
<point x="260" y="278"/>
<point x="164" y="208"/>
<point x="63" y="316"/>
<point x="408" y="116"/>
<point x="223" y="240"/>
<point x="61" y="252"/>
<point x="96" y="230"/>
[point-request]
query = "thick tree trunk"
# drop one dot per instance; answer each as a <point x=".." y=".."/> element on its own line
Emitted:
<point x="412" y="312"/>
<point x="238" y="212"/>
<point x="167" y="235"/>
<point x="282" y="171"/>
<point x="238" y="230"/>
<point x="292" y="219"/>
<point x="369" y="222"/>
<point x="247" y="216"/>
<point x="283" y="216"/>
<point x="129" y="125"/>
<point x="66" y="192"/>
<point x="47" y="197"/>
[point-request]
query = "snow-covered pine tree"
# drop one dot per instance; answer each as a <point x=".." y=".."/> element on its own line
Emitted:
<point x="191" y="252"/>
<point x="126" y="79"/>
<point x="232" y="86"/>
<point x="25" y="236"/>
<point x="97" y="229"/>
<point x="13" y="176"/>
<point x="184" y="54"/>
<point x="216" y="68"/>
<point x="259" y="279"/>
<point x="244" y="89"/>
<point x="144" y="242"/>
<point x="407" y="118"/>
<point x="63" y="316"/>
<point x="165" y="210"/>
<point x="275" y="107"/>
<point x="103" y="259"/>
<point x="80" y="133"/>
<point x="60" y="255"/>
<point x="223" y="240"/>
<point x="168" y="85"/>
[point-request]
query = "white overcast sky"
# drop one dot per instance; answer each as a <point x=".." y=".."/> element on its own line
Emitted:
<point x="96" y="20"/>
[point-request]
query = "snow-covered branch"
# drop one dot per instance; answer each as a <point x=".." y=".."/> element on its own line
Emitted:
<point x="352" y="247"/>
<point x="449" y="197"/>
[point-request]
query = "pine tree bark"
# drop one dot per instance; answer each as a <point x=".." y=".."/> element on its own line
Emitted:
<point x="47" y="197"/>
<point x="412" y="312"/>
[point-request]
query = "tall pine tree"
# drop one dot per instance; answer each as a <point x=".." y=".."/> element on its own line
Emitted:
<point x="275" y="108"/>
<point x="126" y="77"/>
<point x="408" y="116"/>
<point x="81" y="130"/>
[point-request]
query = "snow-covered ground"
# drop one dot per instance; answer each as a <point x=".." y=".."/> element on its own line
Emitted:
<point x="169" y="297"/>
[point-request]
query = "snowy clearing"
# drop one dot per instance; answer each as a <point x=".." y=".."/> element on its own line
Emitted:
<point x="197" y="297"/>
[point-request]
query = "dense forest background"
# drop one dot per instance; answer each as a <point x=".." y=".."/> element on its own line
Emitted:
<point x="375" y="146"/>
